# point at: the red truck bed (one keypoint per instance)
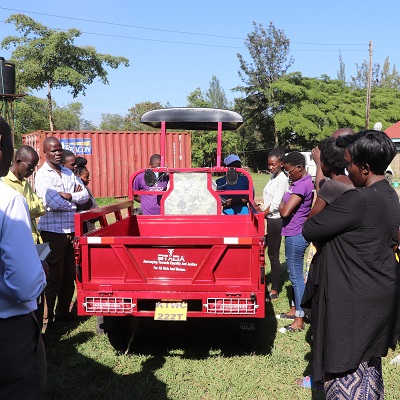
(215, 264)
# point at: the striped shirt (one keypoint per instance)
(59, 217)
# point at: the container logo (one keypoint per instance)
(77, 146)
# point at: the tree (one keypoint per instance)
(204, 143)
(46, 57)
(269, 51)
(112, 122)
(341, 75)
(360, 81)
(31, 114)
(216, 94)
(135, 113)
(312, 108)
(68, 118)
(389, 79)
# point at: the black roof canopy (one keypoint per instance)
(193, 118)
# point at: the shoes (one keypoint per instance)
(289, 329)
(284, 316)
(396, 360)
(308, 382)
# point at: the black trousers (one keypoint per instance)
(22, 359)
(61, 279)
(274, 238)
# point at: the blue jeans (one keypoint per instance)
(295, 247)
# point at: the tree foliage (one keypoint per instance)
(312, 108)
(46, 57)
(204, 143)
(112, 122)
(135, 113)
(385, 77)
(269, 50)
(215, 94)
(68, 118)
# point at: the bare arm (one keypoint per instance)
(287, 209)
(318, 206)
(319, 176)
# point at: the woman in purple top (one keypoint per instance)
(296, 206)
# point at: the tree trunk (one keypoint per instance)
(50, 106)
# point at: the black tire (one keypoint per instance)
(389, 177)
(118, 330)
(99, 325)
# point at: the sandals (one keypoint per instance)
(284, 316)
(289, 329)
(308, 383)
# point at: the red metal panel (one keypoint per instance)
(116, 155)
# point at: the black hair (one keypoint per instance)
(5, 129)
(66, 154)
(332, 155)
(277, 152)
(6, 149)
(78, 171)
(294, 158)
(25, 152)
(154, 157)
(371, 147)
(80, 162)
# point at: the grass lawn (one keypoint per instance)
(190, 360)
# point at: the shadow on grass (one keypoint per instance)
(198, 338)
(71, 375)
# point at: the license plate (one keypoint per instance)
(171, 311)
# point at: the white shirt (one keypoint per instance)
(22, 278)
(273, 193)
(59, 217)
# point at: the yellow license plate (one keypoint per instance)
(171, 311)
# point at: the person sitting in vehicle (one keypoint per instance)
(150, 204)
(234, 204)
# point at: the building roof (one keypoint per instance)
(393, 131)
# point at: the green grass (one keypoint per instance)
(190, 360)
(200, 361)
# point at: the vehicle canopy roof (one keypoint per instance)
(193, 118)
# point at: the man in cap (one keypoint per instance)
(234, 204)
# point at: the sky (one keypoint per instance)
(177, 46)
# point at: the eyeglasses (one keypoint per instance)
(287, 173)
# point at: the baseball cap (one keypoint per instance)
(231, 158)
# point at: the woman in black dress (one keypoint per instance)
(356, 298)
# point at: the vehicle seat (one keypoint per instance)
(190, 195)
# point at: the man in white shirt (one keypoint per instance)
(22, 279)
(60, 191)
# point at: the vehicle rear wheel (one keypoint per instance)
(389, 177)
(120, 332)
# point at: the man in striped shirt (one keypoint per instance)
(60, 191)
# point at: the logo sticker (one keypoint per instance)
(170, 261)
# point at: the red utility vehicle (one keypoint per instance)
(191, 261)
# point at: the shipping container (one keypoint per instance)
(114, 156)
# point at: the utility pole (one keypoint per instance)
(369, 87)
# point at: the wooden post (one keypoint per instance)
(368, 105)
